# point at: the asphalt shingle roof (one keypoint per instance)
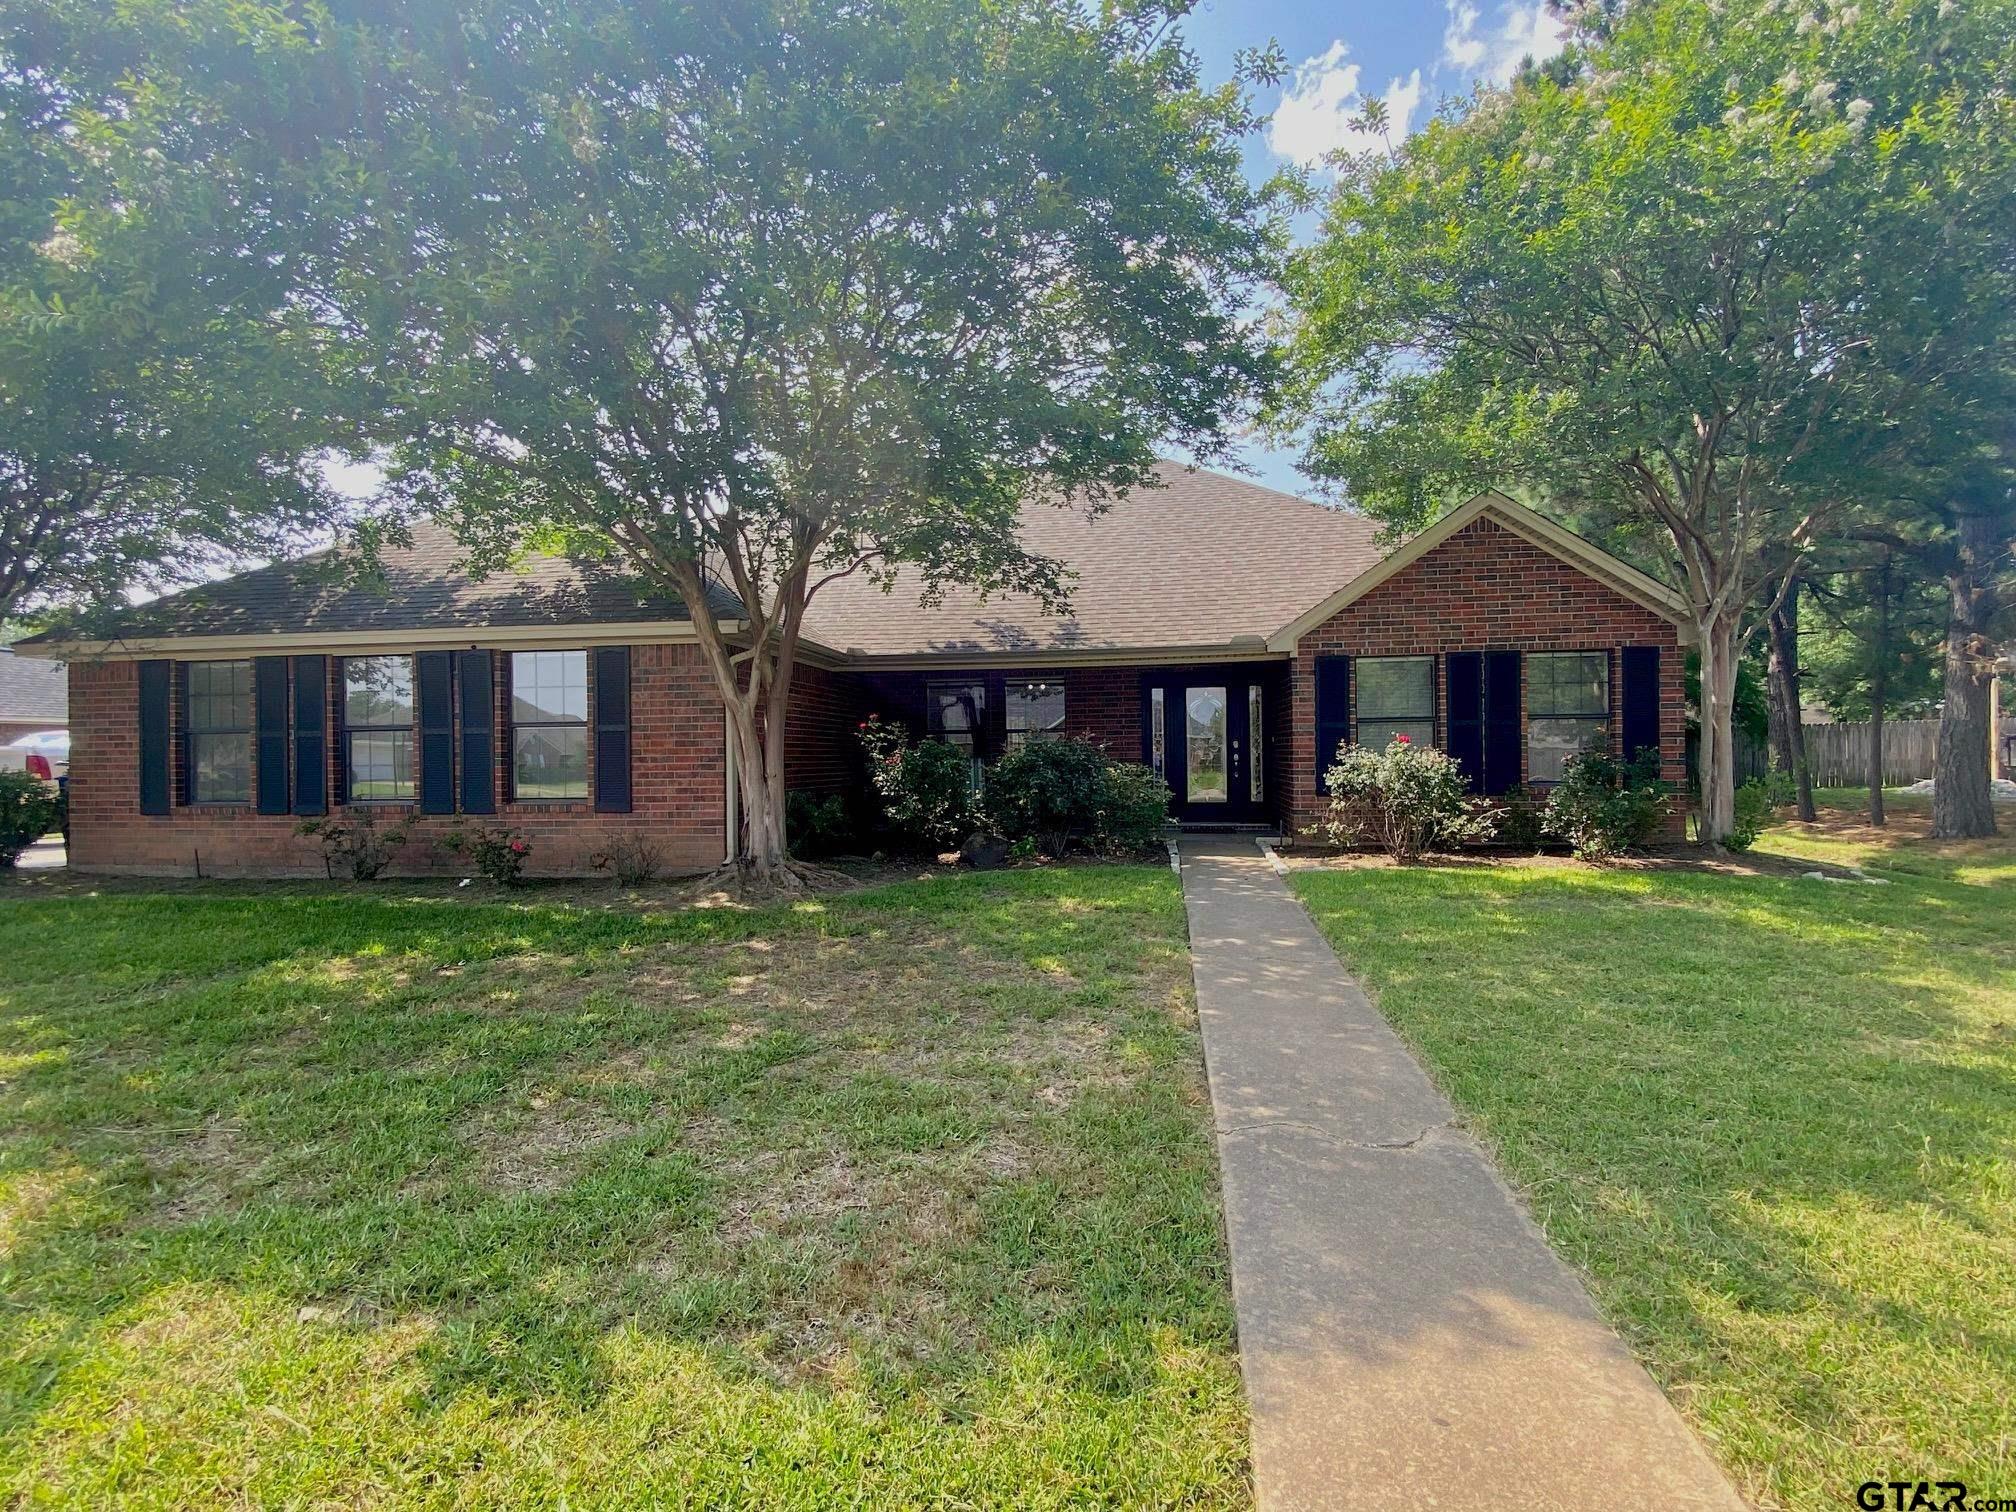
(31, 689)
(1196, 562)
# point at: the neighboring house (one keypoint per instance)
(1222, 632)
(34, 695)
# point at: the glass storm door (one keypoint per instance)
(1203, 733)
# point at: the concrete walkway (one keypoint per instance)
(1406, 1335)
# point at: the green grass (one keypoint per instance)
(1772, 1120)
(314, 1195)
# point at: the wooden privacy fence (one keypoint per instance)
(1839, 753)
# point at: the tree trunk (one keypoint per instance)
(1962, 804)
(1879, 686)
(1788, 733)
(1717, 639)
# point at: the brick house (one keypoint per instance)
(1221, 632)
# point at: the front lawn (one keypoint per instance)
(315, 1195)
(1772, 1120)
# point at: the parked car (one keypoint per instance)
(41, 753)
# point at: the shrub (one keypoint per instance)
(29, 809)
(355, 842)
(926, 788)
(1049, 791)
(1603, 806)
(1406, 799)
(816, 825)
(1755, 802)
(632, 858)
(1135, 808)
(500, 852)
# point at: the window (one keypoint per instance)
(1256, 789)
(549, 724)
(378, 727)
(1567, 705)
(1396, 696)
(220, 731)
(1035, 711)
(1158, 735)
(957, 714)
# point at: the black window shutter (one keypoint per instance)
(612, 729)
(337, 714)
(1501, 721)
(1465, 677)
(1333, 712)
(479, 737)
(269, 733)
(155, 706)
(311, 750)
(437, 731)
(1640, 711)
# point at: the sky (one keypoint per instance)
(1409, 53)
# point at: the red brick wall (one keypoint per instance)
(1486, 588)
(819, 746)
(677, 765)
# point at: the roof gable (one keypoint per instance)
(1528, 524)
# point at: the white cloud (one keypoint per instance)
(1522, 30)
(1318, 107)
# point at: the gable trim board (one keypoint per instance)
(1530, 526)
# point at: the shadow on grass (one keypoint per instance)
(1770, 1119)
(450, 1182)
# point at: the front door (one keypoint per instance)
(1203, 732)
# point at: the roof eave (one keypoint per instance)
(139, 646)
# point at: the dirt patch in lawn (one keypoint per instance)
(540, 1148)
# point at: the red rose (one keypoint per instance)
(1402, 740)
(518, 847)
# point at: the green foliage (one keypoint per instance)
(499, 851)
(29, 809)
(1603, 807)
(168, 389)
(1879, 627)
(1134, 810)
(1052, 791)
(926, 787)
(817, 824)
(1407, 799)
(355, 842)
(1061, 793)
(1750, 713)
(1756, 803)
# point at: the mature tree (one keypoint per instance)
(757, 295)
(163, 401)
(1870, 646)
(1687, 282)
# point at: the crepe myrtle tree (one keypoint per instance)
(754, 297)
(165, 402)
(1707, 278)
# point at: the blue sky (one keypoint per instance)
(1410, 53)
